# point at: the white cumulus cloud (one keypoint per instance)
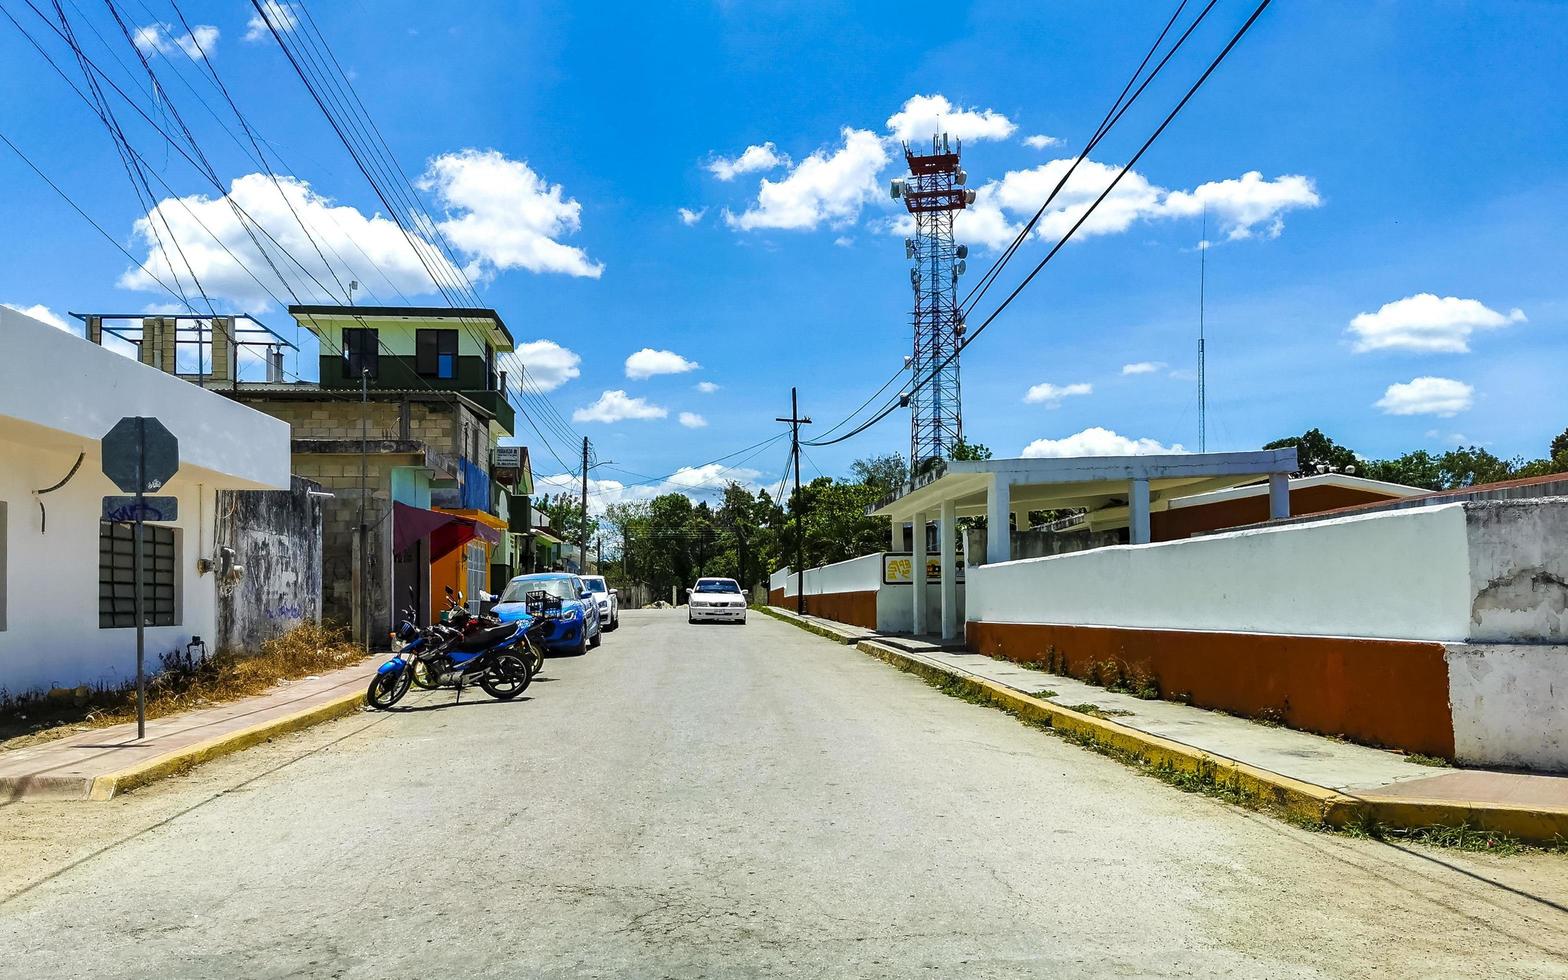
(162, 38)
(1097, 441)
(1041, 142)
(925, 116)
(692, 420)
(617, 405)
(503, 215)
(547, 364)
(707, 387)
(696, 482)
(1238, 206)
(1143, 367)
(1051, 395)
(217, 249)
(42, 314)
(755, 159)
(826, 187)
(1427, 395)
(690, 217)
(278, 15)
(1426, 322)
(648, 362)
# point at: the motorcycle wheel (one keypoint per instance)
(508, 677)
(535, 656)
(388, 689)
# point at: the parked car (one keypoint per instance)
(576, 629)
(717, 600)
(608, 599)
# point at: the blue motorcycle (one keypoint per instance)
(497, 658)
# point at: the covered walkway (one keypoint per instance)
(1004, 491)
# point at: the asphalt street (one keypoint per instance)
(718, 801)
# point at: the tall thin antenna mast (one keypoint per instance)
(1203, 269)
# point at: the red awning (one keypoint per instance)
(447, 532)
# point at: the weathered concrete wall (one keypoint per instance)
(1518, 570)
(1510, 704)
(277, 536)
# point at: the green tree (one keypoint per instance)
(1472, 465)
(744, 519)
(887, 473)
(963, 449)
(835, 522)
(1314, 449)
(1559, 446)
(566, 516)
(1413, 469)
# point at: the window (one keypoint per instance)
(359, 352)
(117, 576)
(435, 353)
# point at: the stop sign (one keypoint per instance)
(140, 455)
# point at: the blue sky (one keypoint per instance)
(1410, 179)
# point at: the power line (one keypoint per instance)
(1235, 39)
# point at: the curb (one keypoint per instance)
(181, 760)
(1292, 798)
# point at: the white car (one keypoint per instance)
(608, 599)
(716, 600)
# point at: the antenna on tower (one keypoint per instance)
(1203, 269)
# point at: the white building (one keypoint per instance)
(62, 605)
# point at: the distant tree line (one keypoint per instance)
(1459, 467)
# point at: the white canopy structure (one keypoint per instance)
(1001, 488)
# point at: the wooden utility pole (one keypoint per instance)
(795, 422)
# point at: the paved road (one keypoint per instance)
(729, 801)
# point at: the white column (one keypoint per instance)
(917, 533)
(1138, 510)
(998, 507)
(896, 539)
(948, 529)
(1279, 496)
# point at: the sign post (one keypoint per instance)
(139, 455)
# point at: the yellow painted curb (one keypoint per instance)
(1294, 798)
(106, 786)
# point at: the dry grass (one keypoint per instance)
(181, 684)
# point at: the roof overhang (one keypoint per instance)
(1091, 482)
(317, 318)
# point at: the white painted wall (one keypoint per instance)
(896, 608)
(1399, 574)
(1510, 704)
(58, 395)
(863, 574)
(76, 391)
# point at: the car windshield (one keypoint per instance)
(595, 584)
(561, 588)
(718, 585)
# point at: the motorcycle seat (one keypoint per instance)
(485, 638)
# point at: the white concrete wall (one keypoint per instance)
(76, 391)
(1399, 574)
(863, 574)
(1510, 704)
(58, 395)
(51, 637)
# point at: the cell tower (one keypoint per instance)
(934, 192)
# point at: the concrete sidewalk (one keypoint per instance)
(1344, 780)
(97, 764)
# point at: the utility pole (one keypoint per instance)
(795, 422)
(364, 491)
(582, 541)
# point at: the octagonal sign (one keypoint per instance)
(140, 455)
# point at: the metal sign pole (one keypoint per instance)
(137, 538)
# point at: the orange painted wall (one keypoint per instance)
(1169, 525)
(1378, 692)
(776, 598)
(854, 608)
(451, 570)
